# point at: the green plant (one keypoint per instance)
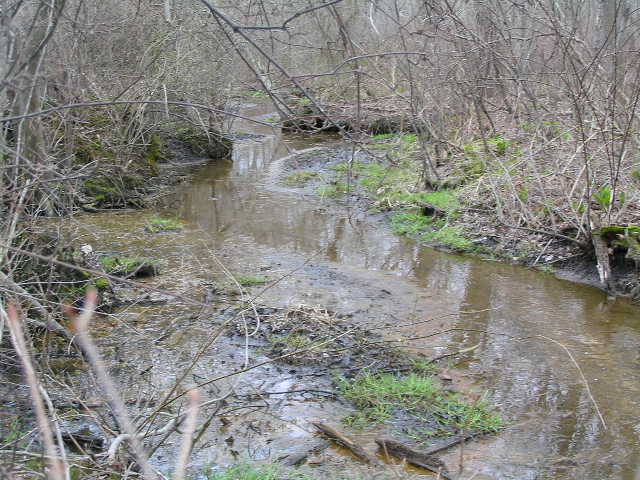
(257, 94)
(299, 178)
(451, 237)
(604, 197)
(247, 471)
(129, 266)
(334, 190)
(578, 207)
(249, 281)
(500, 145)
(378, 396)
(410, 223)
(523, 194)
(156, 225)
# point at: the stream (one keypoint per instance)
(239, 216)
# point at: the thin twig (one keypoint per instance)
(584, 379)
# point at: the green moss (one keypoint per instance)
(153, 154)
(299, 178)
(91, 150)
(451, 237)
(156, 225)
(129, 266)
(249, 281)
(111, 191)
(256, 94)
(444, 199)
(334, 190)
(291, 341)
(613, 230)
(101, 283)
(210, 143)
(257, 472)
(384, 136)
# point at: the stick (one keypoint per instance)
(346, 442)
(419, 459)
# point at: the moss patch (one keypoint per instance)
(256, 472)
(129, 266)
(210, 143)
(299, 178)
(156, 225)
(112, 191)
(249, 281)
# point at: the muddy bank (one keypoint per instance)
(173, 152)
(355, 178)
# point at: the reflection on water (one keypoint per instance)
(556, 432)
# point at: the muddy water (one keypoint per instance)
(238, 214)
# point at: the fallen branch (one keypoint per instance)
(424, 460)
(347, 443)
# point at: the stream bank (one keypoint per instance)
(504, 194)
(240, 219)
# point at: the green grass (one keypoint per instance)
(443, 199)
(379, 396)
(251, 280)
(156, 225)
(299, 178)
(256, 94)
(334, 190)
(256, 472)
(411, 223)
(451, 237)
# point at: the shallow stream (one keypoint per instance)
(238, 215)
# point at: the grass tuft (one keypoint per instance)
(256, 472)
(299, 178)
(156, 225)
(451, 237)
(380, 396)
(249, 281)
